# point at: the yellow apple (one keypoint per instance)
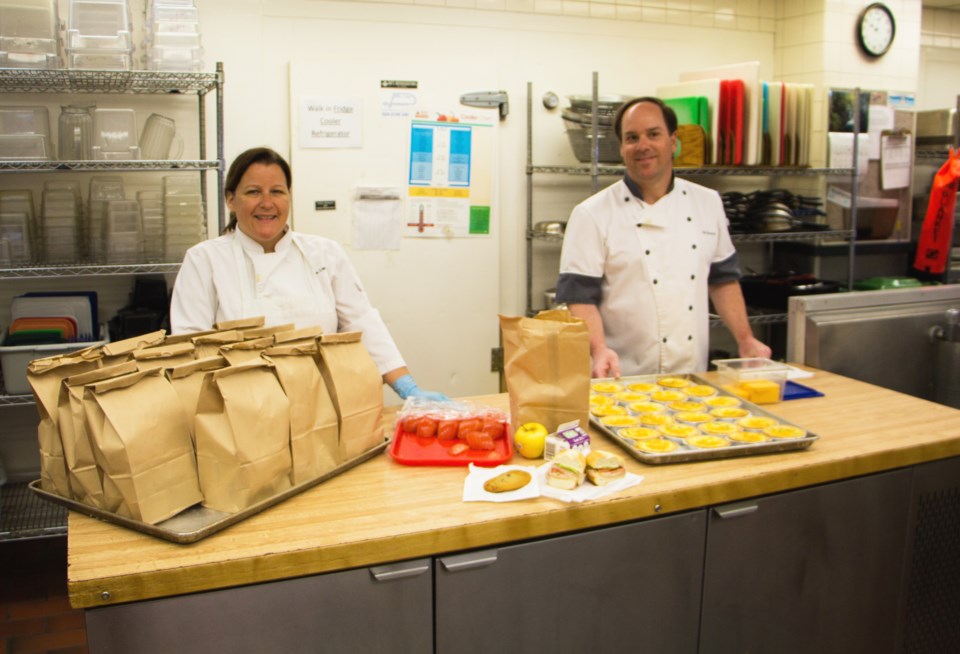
(529, 439)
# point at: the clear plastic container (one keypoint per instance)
(756, 380)
(29, 30)
(115, 134)
(24, 120)
(99, 24)
(75, 132)
(85, 59)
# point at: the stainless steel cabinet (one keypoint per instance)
(369, 610)
(629, 588)
(813, 570)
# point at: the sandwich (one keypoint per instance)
(567, 470)
(604, 467)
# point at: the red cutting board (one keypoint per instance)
(736, 121)
(412, 450)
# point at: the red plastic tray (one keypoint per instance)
(413, 450)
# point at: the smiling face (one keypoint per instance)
(261, 204)
(646, 146)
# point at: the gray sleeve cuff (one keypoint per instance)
(724, 271)
(579, 289)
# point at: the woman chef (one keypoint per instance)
(260, 266)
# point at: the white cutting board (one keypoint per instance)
(804, 118)
(749, 72)
(708, 88)
(774, 119)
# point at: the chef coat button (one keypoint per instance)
(626, 198)
(647, 252)
(690, 308)
(654, 281)
(684, 192)
(689, 219)
(689, 338)
(664, 339)
(694, 246)
(693, 276)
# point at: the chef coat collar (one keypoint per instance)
(253, 247)
(635, 190)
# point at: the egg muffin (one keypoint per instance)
(655, 445)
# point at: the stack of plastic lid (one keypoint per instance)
(17, 225)
(102, 190)
(151, 221)
(182, 213)
(25, 134)
(115, 135)
(60, 215)
(124, 237)
(29, 34)
(99, 35)
(172, 36)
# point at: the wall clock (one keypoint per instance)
(875, 29)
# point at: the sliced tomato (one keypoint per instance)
(409, 423)
(479, 440)
(457, 449)
(467, 425)
(495, 428)
(447, 429)
(427, 427)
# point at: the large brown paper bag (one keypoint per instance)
(186, 337)
(357, 390)
(240, 323)
(243, 436)
(314, 433)
(120, 351)
(245, 350)
(86, 483)
(165, 356)
(546, 362)
(187, 379)
(45, 376)
(208, 345)
(142, 444)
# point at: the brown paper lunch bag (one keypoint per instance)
(356, 387)
(251, 322)
(262, 332)
(86, 483)
(45, 377)
(546, 361)
(243, 436)
(187, 379)
(186, 337)
(208, 345)
(304, 334)
(242, 351)
(314, 430)
(120, 351)
(142, 445)
(165, 355)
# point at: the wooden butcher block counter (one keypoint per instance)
(382, 511)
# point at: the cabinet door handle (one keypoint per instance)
(400, 570)
(736, 510)
(469, 560)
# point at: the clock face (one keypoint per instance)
(876, 29)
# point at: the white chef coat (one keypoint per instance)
(307, 281)
(654, 262)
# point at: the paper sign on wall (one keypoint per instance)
(328, 122)
(450, 171)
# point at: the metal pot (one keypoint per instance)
(550, 298)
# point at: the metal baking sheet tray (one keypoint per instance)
(685, 454)
(198, 522)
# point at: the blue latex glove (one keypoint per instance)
(405, 387)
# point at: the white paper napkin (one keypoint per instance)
(585, 491)
(477, 475)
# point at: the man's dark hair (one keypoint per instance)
(669, 115)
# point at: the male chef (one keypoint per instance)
(642, 257)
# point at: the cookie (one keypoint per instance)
(507, 481)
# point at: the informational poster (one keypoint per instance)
(450, 173)
(328, 122)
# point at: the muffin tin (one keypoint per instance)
(625, 416)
